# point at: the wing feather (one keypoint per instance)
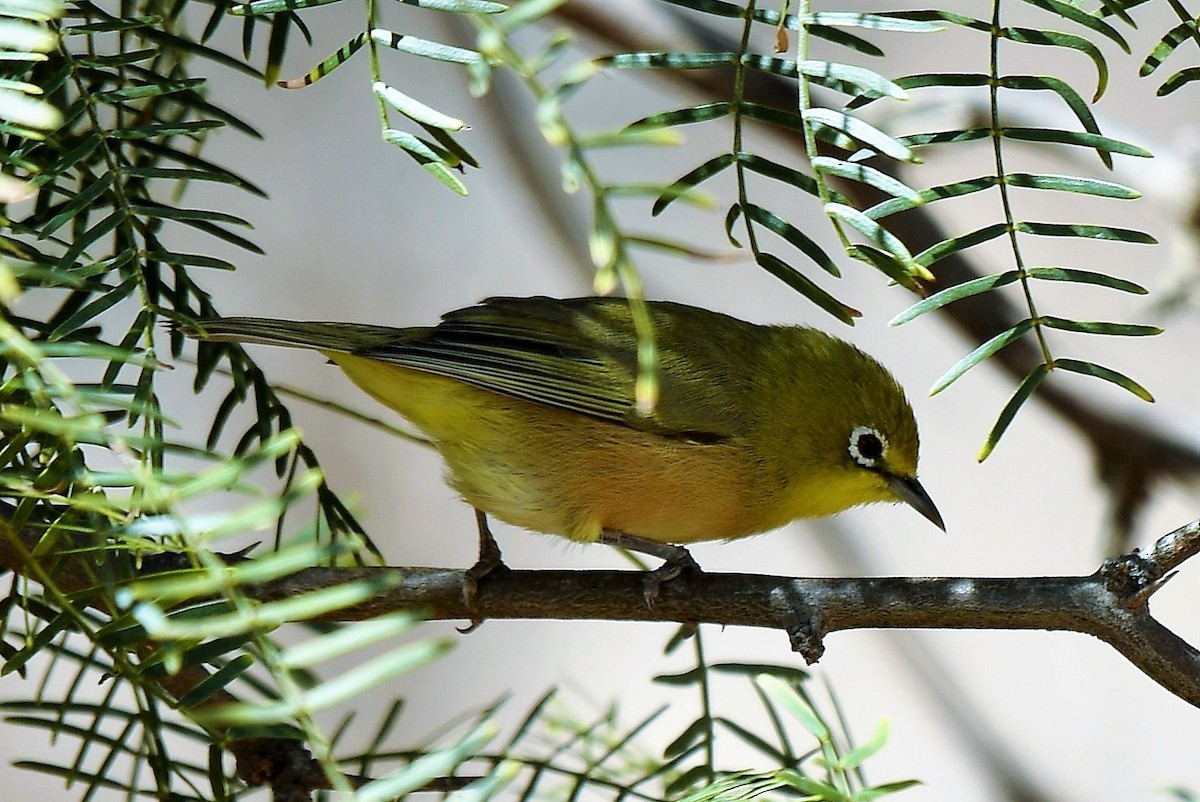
(578, 355)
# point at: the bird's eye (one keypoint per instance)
(867, 446)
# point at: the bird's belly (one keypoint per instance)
(554, 471)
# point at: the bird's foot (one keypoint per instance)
(680, 563)
(676, 560)
(490, 561)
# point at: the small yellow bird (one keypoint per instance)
(531, 403)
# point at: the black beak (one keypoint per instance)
(911, 493)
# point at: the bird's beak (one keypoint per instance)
(911, 493)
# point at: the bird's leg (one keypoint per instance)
(676, 559)
(490, 560)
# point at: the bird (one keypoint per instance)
(532, 403)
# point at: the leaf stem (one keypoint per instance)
(1002, 184)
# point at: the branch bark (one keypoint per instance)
(1111, 604)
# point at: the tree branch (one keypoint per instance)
(1111, 604)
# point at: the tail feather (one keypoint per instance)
(317, 335)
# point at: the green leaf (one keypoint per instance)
(731, 218)
(675, 61)
(675, 247)
(935, 15)
(850, 79)
(693, 734)
(943, 79)
(852, 171)
(814, 790)
(36, 10)
(879, 235)
(425, 48)
(957, 189)
(873, 22)
(189, 260)
(784, 68)
(967, 289)
(860, 754)
(884, 789)
(785, 696)
(692, 179)
(524, 13)
(415, 109)
(943, 137)
(67, 161)
(1166, 45)
(193, 164)
(425, 157)
(87, 239)
(1085, 277)
(24, 40)
(794, 236)
(941, 250)
(630, 136)
(331, 692)
(1101, 372)
(140, 23)
(797, 281)
(86, 199)
(1075, 103)
(1075, 14)
(1024, 390)
(139, 91)
(348, 639)
(885, 263)
(155, 210)
(1032, 36)
(720, 8)
(159, 130)
(861, 132)
(21, 109)
(216, 681)
(779, 172)
(1117, 8)
(1086, 231)
(637, 189)
(921, 80)
(1099, 327)
(420, 772)
(768, 114)
(1183, 77)
(847, 40)
(1070, 183)
(987, 349)
(328, 65)
(459, 6)
(456, 154)
(187, 174)
(88, 311)
(692, 114)
(260, 7)
(1087, 140)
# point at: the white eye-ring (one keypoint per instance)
(867, 446)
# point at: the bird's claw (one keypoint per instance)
(679, 563)
(490, 561)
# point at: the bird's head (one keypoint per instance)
(855, 436)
